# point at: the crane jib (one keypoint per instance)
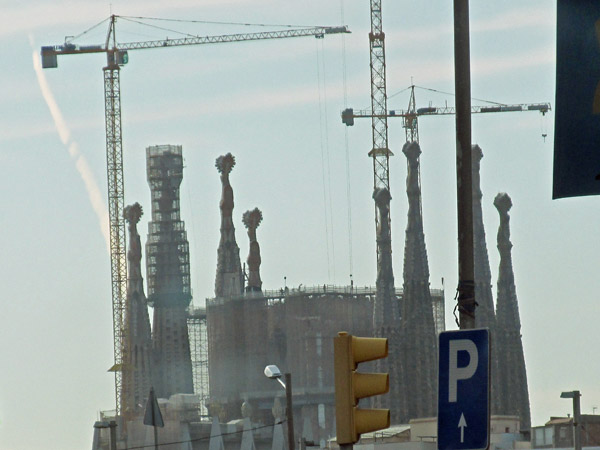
(72, 49)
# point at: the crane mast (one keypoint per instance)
(116, 203)
(116, 54)
(411, 121)
(380, 151)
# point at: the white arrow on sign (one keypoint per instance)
(462, 423)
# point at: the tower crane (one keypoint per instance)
(384, 309)
(116, 57)
(410, 116)
(378, 113)
(412, 113)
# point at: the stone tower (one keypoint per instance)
(229, 280)
(168, 272)
(386, 314)
(252, 220)
(137, 371)
(512, 375)
(484, 313)
(385, 311)
(418, 342)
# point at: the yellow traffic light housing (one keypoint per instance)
(351, 386)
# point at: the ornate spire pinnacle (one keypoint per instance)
(512, 377)
(229, 279)
(132, 215)
(252, 220)
(137, 370)
(418, 337)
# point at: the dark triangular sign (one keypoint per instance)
(153, 416)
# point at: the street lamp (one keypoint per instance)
(273, 372)
(576, 416)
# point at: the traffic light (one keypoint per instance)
(351, 386)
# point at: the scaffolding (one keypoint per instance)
(168, 272)
(167, 248)
(199, 352)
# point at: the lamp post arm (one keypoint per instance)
(281, 382)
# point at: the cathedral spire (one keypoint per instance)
(484, 313)
(418, 341)
(137, 370)
(512, 379)
(386, 315)
(385, 311)
(229, 279)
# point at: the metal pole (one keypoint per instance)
(577, 419)
(289, 411)
(462, 82)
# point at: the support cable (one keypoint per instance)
(210, 22)
(443, 92)
(326, 123)
(72, 38)
(323, 165)
(346, 148)
(170, 30)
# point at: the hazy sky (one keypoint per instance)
(275, 105)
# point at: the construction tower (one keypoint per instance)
(168, 272)
(512, 376)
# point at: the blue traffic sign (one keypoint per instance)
(577, 119)
(464, 390)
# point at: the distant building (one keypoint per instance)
(421, 434)
(558, 432)
(294, 329)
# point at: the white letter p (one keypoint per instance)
(460, 373)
